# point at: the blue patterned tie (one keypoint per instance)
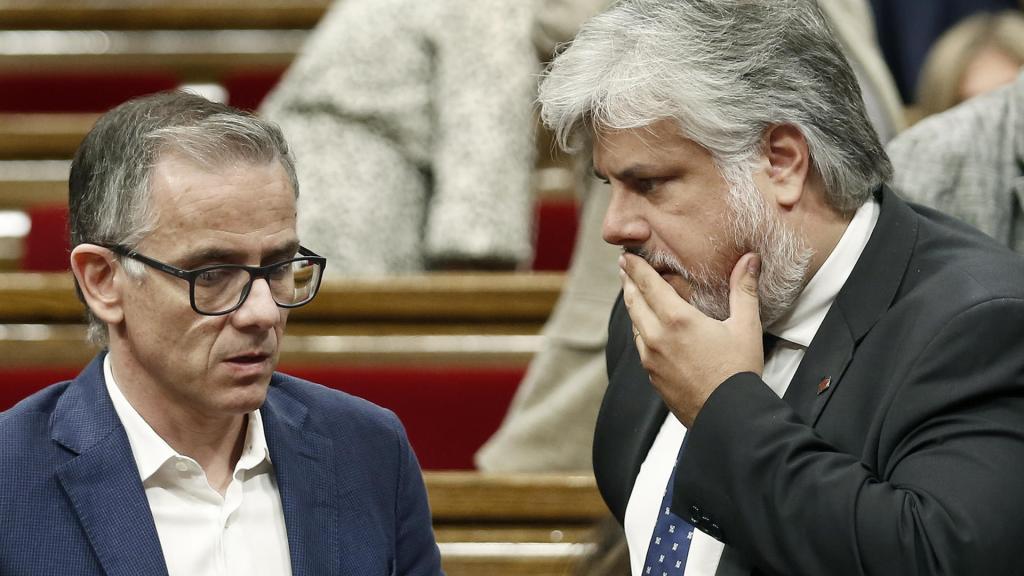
(670, 541)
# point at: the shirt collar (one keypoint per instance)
(801, 322)
(148, 448)
(151, 451)
(255, 449)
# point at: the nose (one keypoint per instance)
(623, 223)
(259, 309)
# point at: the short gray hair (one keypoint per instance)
(109, 193)
(726, 71)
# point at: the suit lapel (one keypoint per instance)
(102, 481)
(307, 483)
(822, 367)
(865, 297)
(630, 417)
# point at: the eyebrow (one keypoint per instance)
(286, 251)
(635, 172)
(210, 254)
(217, 254)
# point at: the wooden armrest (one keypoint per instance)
(480, 496)
(441, 298)
(181, 14)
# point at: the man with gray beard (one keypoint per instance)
(751, 225)
(807, 374)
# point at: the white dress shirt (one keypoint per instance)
(795, 330)
(201, 532)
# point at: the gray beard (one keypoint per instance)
(754, 227)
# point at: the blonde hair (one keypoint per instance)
(938, 87)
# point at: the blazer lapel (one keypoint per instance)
(866, 295)
(630, 417)
(864, 298)
(307, 482)
(102, 481)
(822, 367)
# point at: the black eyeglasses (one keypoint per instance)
(222, 289)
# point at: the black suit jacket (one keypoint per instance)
(910, 462)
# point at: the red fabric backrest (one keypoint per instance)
(77, 92)
(556, 219)
(46, 247)
(448, 411)
(247, 88)
(557, 222)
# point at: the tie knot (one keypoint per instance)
(768, 342)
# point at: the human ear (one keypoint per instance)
(787, 163)
(95, 271)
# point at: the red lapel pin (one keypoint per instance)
(824, 384)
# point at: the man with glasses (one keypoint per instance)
(179, 450)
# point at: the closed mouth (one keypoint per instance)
(251, 358)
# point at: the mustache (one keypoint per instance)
(661, 261)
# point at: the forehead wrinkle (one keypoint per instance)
(215, 209)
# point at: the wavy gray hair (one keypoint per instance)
(109, 194)
(726, 71)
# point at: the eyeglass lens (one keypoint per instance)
(218, 289)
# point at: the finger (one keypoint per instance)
(662, 299)
(744, 305)
(644, 320)
(638, 343)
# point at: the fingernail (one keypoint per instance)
(754, 265)
(622, 260)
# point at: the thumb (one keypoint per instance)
(743, 301)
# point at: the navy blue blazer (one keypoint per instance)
(72, 502)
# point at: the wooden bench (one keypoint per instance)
(41, 135)
(482, 319)
(243, 45)
(157, 14)
(447, 298)
(110, 51)
(192, 55)
(513, 524)
(446, 352)
(39, 189)
(47, 135)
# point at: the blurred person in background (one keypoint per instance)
(412, 129)
(908, 28)
(978, 55)
(969, 162)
